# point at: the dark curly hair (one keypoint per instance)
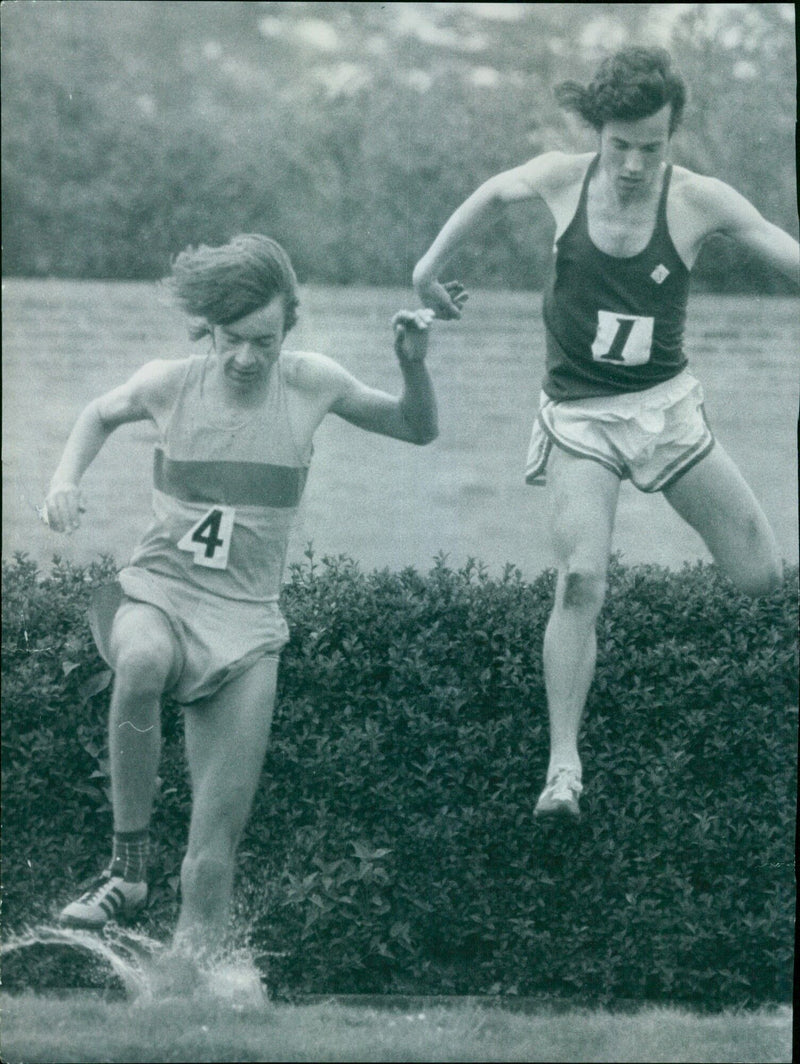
(218, 285)
(633, 83)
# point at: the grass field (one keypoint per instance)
(38, 1029)
(379, 501)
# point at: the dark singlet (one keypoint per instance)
(614, 324)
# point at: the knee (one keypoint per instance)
(758, 581)
(757, 570)
(143, 665)
(582, 590)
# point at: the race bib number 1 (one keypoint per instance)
(210, 539)
(622, 338)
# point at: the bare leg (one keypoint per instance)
(715, 500)
(226, 740)
(584, 505)
(143, 651)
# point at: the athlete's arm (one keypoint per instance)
(734, 216)
(133, 401)
(526, 182)
(412, 416)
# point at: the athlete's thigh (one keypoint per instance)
(584, 498)
(226, 740)
(714, 498)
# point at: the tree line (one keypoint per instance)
(349, 131)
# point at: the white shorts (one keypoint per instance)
(218, 638)
(650, 437)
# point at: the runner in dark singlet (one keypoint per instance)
(617, 399)
(643, 298)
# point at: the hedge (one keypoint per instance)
(392, 846)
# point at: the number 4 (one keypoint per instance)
(210, 538)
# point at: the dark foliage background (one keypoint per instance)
(392, 846)
(350, 131)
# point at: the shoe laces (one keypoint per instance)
(93, 893)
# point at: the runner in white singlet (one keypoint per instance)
(197, 612)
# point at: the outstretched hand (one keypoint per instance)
(411, 334)
(446, 300)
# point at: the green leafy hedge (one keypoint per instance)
(392, 846)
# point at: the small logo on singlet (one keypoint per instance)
(660, 273)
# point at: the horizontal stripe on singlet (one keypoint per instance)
(229, 483)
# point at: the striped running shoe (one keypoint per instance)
(109, 898)
(560, 796)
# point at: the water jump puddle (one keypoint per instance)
(150, 972)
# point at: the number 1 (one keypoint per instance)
(622, 338)
(614, 353)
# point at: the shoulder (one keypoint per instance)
(715, 204)
(700, 207)
(696, 189)
(164, 370)
(148, 392)
(560, 168)
(155, 386)
(161, 379)
(312, 372)
(546, 175)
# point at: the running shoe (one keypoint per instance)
(109, 898)
(560, 796)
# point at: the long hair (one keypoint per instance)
(633, 83)
(218, 285)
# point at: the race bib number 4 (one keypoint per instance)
(622, 338)
(210, 539)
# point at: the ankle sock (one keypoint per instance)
(129, 855)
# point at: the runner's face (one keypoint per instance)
(247, 348)
(631, 153)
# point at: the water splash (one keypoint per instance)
(231, 980)
(128, 954)
(151, 972)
